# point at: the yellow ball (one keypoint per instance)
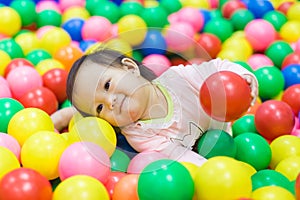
(239, 44)
(289, 167)
(54, 39)
(293, 12)
(42, 152)
(28, 41)
(10, 22)
(80, 187)
(45, 65)
(75, 12)
(195, 3)
(272, 193)
(233, 54)
(5, 60)
(284, 147)
(27, 122)
(290, 31)
(99, 131)
(119, 45)
(8, 162)
(132, 29)
(223, 178)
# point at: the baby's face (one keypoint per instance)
(113, 94)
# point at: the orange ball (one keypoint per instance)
(67, 55)
(126, 188)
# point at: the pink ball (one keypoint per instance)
(260, 34)
(47, 5)
(22, 79)
(3, 81)
(180, 36)
(41, 31)
(84, 158)
(173, 18)
(96, 28)
(258, 60)
(191, 16)
(64, 4)
(10, 143)
(157, 63)
(141, 160)
(5, 91)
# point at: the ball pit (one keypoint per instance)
(39, 42)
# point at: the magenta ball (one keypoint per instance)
(191, 16)
(10, 143)
(23, 79)
(65, 4)
(96, 28)
(47, 5)
(157, 63)
(258, 60)
(84, 158)
(141, 160)
(260, 34)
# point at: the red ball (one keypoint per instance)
(231, 6)
(25, 184)
(208, 44)
(292, 97)
(17, 62)
(297, 187)
(293, 58)
(285, 6)
(56, 81)
(274, 118)
(225, 96)
(113, 178)
(42, 98)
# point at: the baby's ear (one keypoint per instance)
(131, 65)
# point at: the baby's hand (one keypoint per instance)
(253, 86)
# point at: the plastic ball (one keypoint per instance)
(290, 31)
(112, 180)
(37, 55)
(67, 55)
(26, 10)
(260, 38)
(93, 161)
(9, 161)
(27, 41)
(297, 186)
(269, 77)
(10, 22)
(154, 43)
(48, 64)
(230, 7)
(240, 46)
(40, 97)
(27, 122)
(277, 51)
(291, 96)
(259, 60)
(155, 16)
(64, 4)
(253, 149)
(225, 96)
(283, 147)
(80, 187)
(289, 167)
(8, 108)
(293, 11)
(119, 161)
(12, 48)
(243, 125)
(56, 80)
(259, 8)
(132, 29)
(225, 175)
(195, 3)
(157, 63)
(47, 5)
(75, 12)
(131, 7)
(22, 79)
(23, 184)
(10, 143)
(96, 28)
(100, 132)
(5, 60)
(220, 27)
(216, 143)
(169, 176)
(17, 62)
(191, 16)
(240, 18)
(141, 160)
(276, 18)
(292, 58)
(209, 43)
(48, 17)
(126, 188)
(108, 10)
(73, 27)
(291, 75)
(274, 118)
(272, 192)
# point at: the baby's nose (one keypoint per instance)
(111, 100)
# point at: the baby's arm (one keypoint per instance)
(62, 117)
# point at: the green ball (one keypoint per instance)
(241, 18)
(8, 108)
(267, 177)
(277, 51)
(216, 143)
(215, 14)
(270, 81)
(90, 5)
(243, 124)
(12, 48)
(66, 104)
(245, 65)
(220, 27)
(155, 17)
(276, 18)
(253, 149)
(171, 6)
(37, 55)
(119, 161)
(137, 55)
(49, 18)
(109, 10)
(165, 179)
(131, 7)
(26, 10)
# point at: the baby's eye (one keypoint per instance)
(99, 108)
(107, 85)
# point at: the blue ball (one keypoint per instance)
(73, 27)
(154, 43)
(85, 44)
(258, 7)
(291, 74)
(206, 15)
